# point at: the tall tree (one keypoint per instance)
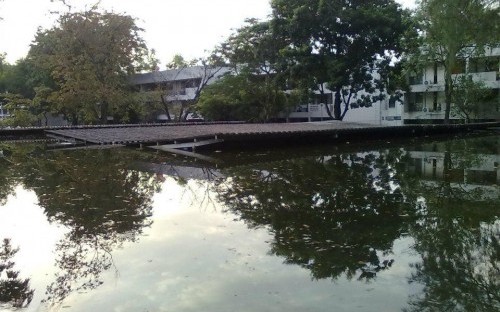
(340, 43)
(89, 56)
(452, 31)
(256, 89)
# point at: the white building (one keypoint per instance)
(178, 85)
(182, 85)
(425, 102)
(385, 112)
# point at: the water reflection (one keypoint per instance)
(101, 203)
(334, 215)
(422, 215)
(339, 214)
(14, 291)
(457, 231)
(11, 157)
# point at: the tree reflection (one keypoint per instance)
(102, 204)
(12, 158)
(457, 233)
(333, 215)
(14, 292)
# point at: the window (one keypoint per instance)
(485, 64)
(416, 102)
(326, 98)
(192, 83)
(416, 78)
(392, 101)
(435, 101)
(459, 67)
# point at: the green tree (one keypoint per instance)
(19, 108)
(256, 90)
(244, 96)
(469, 98)
(90, 56)
(452, 31)
(338, 44)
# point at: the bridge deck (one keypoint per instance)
(170, 133)
(148, 135)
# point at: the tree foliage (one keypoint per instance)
(255, 89)
(89, 56)
(244, 96)
(451, 31)
(339, 44)
(468, 97)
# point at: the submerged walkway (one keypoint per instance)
(243, 133)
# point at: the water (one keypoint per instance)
(367, 227)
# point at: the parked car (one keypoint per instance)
(194, 117)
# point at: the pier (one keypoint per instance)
(206, 134)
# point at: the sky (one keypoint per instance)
(187, 27)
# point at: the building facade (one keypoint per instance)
(425, 101)
(182, 85)
(386, 112)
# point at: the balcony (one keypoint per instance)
(427, 86)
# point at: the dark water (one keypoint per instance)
(379, 227)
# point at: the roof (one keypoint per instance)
(185, 73)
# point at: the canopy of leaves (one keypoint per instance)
(452, 30)
(470, 98)
(89, 56)
(245, 96)
(339, 42)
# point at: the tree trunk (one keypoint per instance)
(448, 90)
(165, 107)
(337, 103)
(104, 113)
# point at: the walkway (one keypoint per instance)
(247, 133)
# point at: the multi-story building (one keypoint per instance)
(425, 101)
(385, 112)
(178, 86)
(181, 85)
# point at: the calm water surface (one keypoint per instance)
(380, 227)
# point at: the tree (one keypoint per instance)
(452, 31)
(340, 44)
(255, 91)
(244, 96)
(90, 56)
(20, 111)
(178, 64)
(468, 97)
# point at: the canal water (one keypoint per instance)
(385, 226)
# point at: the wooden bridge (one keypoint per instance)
(191, 136)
